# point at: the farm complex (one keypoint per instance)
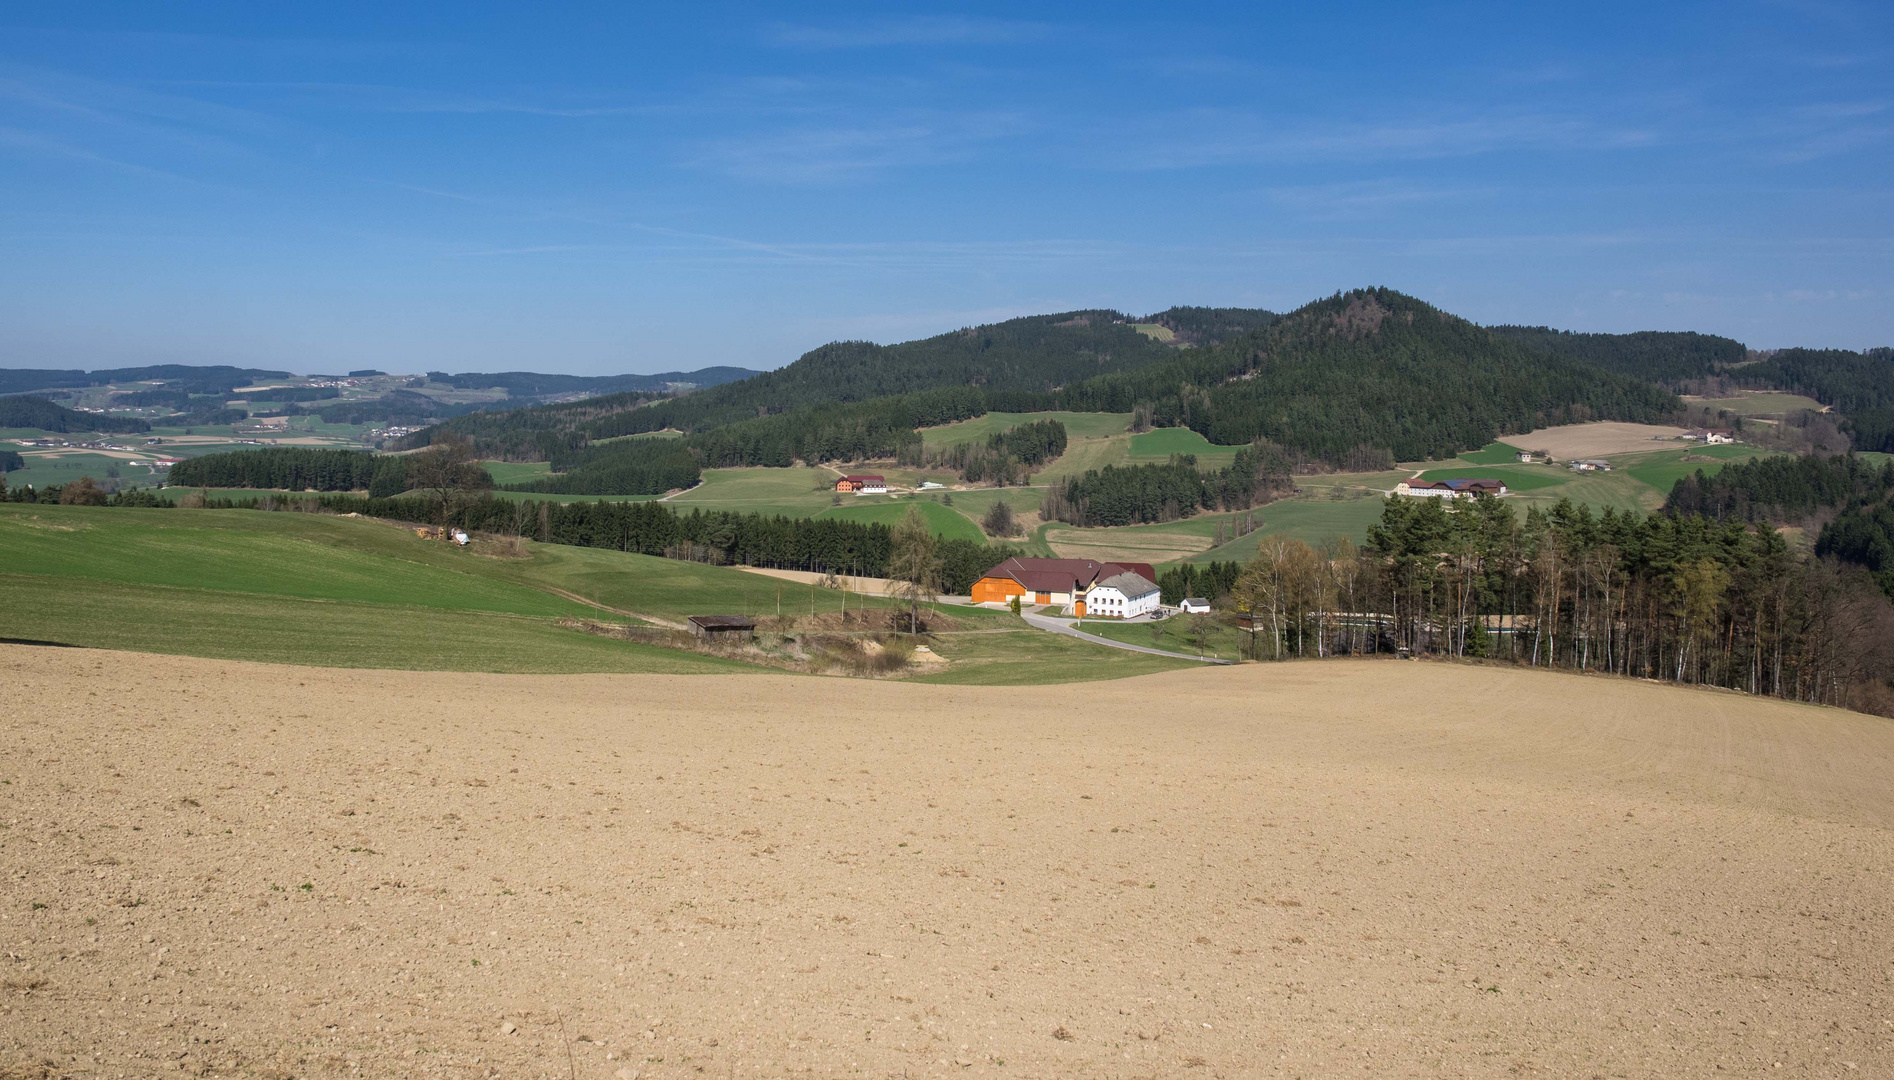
(1079, 586)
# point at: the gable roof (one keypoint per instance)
(1132, 584)
(864, 478)
(1063, 575)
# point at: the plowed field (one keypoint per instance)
(1344, 868)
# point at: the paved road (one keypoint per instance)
(1060, 626)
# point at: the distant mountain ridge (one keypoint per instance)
(521, 384)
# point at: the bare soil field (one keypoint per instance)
(1105, 545)
(1363, 868)
(1595, 439)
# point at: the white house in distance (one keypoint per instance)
(1590, 465)
(1194, 605)
(1711, 436)
(1451, 489)
(1124, 595)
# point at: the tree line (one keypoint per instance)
(1860, 385)
(717, 537)
(1211, 580)
(1781, 489)
(1139, 494)
(1006, 458)
(1678, 597)
(295, 468)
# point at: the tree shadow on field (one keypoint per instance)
(36, 641)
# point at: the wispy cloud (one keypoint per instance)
(818, 155)
(371, 97)
(910, 30)
(1207, 137)
(1363, 198)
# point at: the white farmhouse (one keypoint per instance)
(1194, 605)
(1125, 595)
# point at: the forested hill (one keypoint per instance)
(1035, 354)
(190, 379)
(1860, 385)
(1653, 355)
(37, 412)
(1370, 370)
(1030, 355)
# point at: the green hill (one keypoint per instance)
(1365, 374)
(37, 412)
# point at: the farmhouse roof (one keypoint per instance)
(724, 622)
(1060, 575)
(1131, 583)
(1194, 600)
(862, 478)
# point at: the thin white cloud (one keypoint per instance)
(911, 30)
(819, 155)
(1363, 198)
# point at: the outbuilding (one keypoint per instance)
(863, 484)
(1194, 605)
(723, 627)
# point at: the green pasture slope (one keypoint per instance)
(1497, 453)
(792, 492)
(516, 472)
(1077, 426)
(1159, 445)
(1515, 477)
(351, 592)
(290, 588)
(944, 521)
(1662, 470)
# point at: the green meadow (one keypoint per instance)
(944, 521)
(352, 592)
(1077, 426)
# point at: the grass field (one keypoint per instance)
(1175, 634)
(352, 592)
(42, 470)
(795, 492)
(1498, 453)
(1516, 477)
(1077, 426)
(516, 472)
(1661, 471)
(945, 521)
(1312, 521)
(1158, 446)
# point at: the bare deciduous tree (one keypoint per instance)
(914, 565)
(447, 475)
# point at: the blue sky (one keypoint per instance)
(598, 188)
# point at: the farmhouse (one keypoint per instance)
(1451, 489)
(1590, 465)
(1064, 582)
(1124, 595)
(1711, 436)
(864, 484)
(1194, 605)
(722, 627)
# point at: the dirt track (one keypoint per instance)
(1384, 869)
